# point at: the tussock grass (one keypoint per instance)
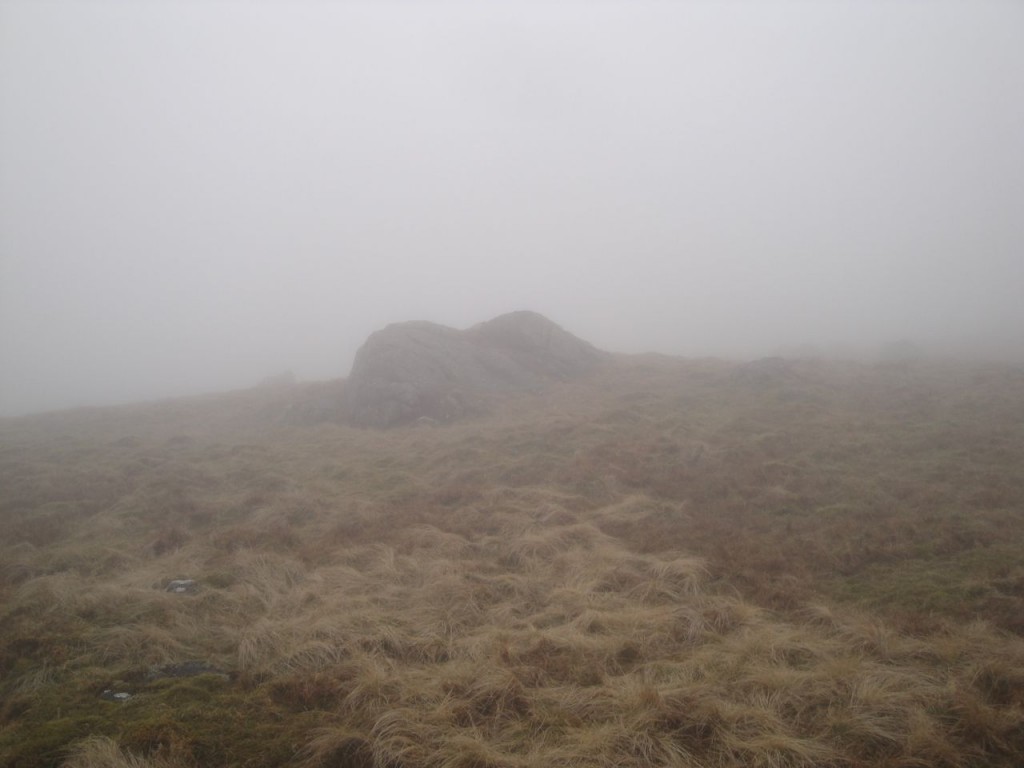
(102, 752)
(669, 565)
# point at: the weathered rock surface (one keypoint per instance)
(537, 345)
(412, 370)
(182, 586)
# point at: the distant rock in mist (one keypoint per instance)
(411, 370)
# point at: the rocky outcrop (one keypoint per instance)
(412, 370)
(537, 345)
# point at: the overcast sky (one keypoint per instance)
(196, 195)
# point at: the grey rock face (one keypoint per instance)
(412, 370)
(537, 345)
(183, 586)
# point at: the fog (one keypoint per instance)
(196, 195)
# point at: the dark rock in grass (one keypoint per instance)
(410, 371)
(183, 586)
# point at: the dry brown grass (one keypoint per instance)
(665, 566)
(101, 752)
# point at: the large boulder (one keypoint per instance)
(537, 345)
(412, 370)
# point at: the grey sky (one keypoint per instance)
(194, 195)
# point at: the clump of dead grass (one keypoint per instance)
(103, 752)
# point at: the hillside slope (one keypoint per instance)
(669, 562)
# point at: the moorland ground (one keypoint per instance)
(680, 563)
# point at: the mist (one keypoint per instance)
(194, 196)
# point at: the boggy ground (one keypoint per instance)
(679, 563)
